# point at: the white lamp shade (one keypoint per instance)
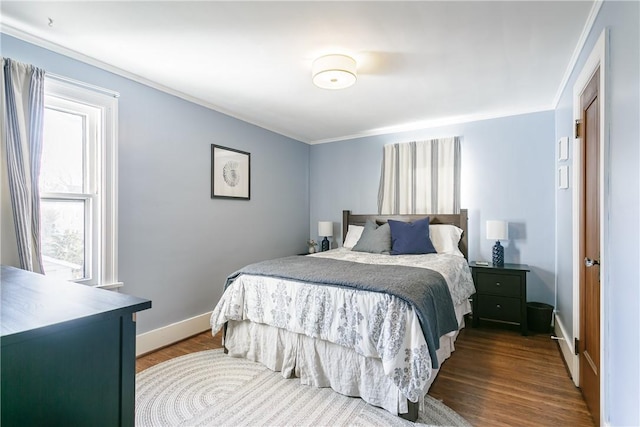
(497, 230)
(334, 71)
(325, 228)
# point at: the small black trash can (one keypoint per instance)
(539, 316)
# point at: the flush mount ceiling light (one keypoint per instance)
(334, 71)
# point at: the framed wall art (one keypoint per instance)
(230, 173)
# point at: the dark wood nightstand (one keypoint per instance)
(501, 294)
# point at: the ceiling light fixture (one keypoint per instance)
(334, 71)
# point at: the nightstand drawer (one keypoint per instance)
(501, 294)
(499, 308)
(498, 284)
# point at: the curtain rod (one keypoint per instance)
(84, 85)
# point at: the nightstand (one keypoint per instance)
(501, 294)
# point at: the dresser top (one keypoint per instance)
(31, 301)
(520, 267)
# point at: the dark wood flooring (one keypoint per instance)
(501, 378)
(200, 342)
(494, 378)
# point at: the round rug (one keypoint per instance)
(209, 388)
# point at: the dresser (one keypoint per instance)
(68, 352)
(501, 294)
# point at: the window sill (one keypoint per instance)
(109, 286)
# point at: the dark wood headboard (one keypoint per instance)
(459, 220)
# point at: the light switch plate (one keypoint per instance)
(563, 148)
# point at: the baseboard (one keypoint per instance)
(567, 349)
(167, 335)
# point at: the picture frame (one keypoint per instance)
(230, 173)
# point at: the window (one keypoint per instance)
(78, 184)
(420, 177)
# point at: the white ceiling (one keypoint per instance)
(420, 63)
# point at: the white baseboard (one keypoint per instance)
(167, 335)
(567, 349)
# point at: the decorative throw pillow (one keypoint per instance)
(353, 235)
(374, 239)
(410, 237)
(446, 238)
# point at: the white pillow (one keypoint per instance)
(445, 238)
(353, 235)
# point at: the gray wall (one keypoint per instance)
(622, 194)
(507, 173)
(177, 245)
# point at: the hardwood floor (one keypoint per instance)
(494, 378)
(200, 342)
(501, 378)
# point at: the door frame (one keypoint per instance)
(597, 58)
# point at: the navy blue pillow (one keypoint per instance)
(410, 237)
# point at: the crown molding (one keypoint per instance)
(595, 9)
(54, 47)
(430, 124)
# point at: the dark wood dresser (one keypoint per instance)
(501, 294)
(67, 352)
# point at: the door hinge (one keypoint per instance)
(578, 129)
(575, 346)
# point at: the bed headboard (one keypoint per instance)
(459, 220)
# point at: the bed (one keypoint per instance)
(365, 324)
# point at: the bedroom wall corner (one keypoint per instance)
(176, 245)
(505, 162)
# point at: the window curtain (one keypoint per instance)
(22, 100)
(420, 177)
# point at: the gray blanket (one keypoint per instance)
(426, 290)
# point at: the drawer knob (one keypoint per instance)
(497, 283)
(498, 306)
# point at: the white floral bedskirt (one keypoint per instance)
(372, 324)
(320, 363)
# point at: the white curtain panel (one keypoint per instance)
(22, 100)
(420, 177)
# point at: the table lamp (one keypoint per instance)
(325, 229)
(498, 230)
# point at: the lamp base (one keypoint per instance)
(325, 244)
(498, 255)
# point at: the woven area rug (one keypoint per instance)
(209, 388)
